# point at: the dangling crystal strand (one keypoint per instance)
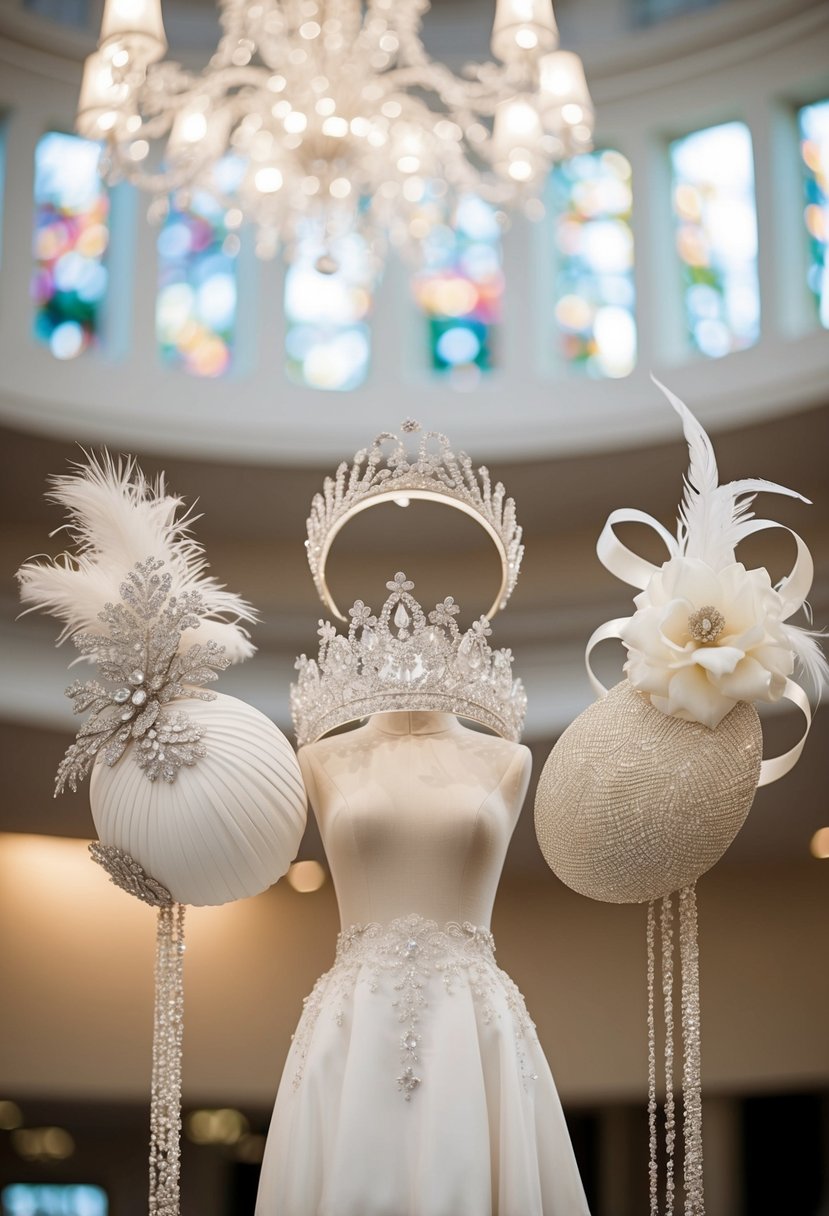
(165, 1103)
(653, 1167)
(692, 1069)
(667, 930)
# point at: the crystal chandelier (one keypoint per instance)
(328, 116)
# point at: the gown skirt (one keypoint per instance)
(416, 1086)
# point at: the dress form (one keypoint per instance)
(437, 800)
(415, 1084)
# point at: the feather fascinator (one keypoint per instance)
(708, 633)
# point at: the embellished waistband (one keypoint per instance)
(405, 958)
(414, 938)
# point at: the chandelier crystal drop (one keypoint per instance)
(326, 117)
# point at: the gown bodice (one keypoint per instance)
(415, 812)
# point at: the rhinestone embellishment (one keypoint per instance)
(416, 963)
(125, 872)
(706, 625)
(146, 625)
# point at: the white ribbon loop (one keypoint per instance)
(777, 766)
(610, 629)
(797, 584)
(622, 561)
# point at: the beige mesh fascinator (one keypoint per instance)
(649, 786)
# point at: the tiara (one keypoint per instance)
(402, 660)
(387, 471)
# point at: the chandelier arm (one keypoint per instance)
(162, 182)
(186, 85)
(455, 92)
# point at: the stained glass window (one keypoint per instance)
(328, 295)
(461, 287)
(70, 241)
(53, 1199)
(590, 200)
(814, 149)
(195, 313)
(716, 237)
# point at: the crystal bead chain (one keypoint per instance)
(692, 1068)
(667, 930)
(653, 1166)
(168, 1028)
(691, 1071)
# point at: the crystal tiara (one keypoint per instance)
(386, 472)
(402, 660)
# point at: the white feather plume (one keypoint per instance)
(809, 657)
(117, 517)
(713, 519)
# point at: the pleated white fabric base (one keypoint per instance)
(228, 827)
(483, 1133)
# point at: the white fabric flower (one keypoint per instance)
(746, 657)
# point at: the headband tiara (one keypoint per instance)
(386, 472)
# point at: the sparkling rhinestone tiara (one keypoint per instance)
(387, 471)
(402, 660)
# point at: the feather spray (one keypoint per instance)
(714, 518)
(117, 518)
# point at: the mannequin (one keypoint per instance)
(415, 1084)
(437, 799)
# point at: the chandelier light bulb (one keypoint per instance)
(99, 98)
(521, 26)
(193, 127)
(134, 26)
(294, 121)
(335, 126)
(565, 98)
(331, 133)
(268, 180)
(515, 135)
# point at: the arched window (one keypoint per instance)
(814, 149)
(328, 296)
(460, 289)
(716, 237)
(71, 235)
(195, 315)
(590, 198)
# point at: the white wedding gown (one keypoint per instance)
(415, 1084)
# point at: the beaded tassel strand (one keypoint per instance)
(168, 1029)
(694, 1204)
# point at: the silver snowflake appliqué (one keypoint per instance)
(140, 655)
